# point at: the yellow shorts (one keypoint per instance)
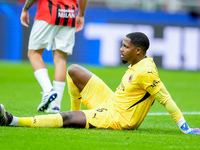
(96, 97)
(95, 92)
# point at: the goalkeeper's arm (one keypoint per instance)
(164, 98)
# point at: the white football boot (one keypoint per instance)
(47, 98)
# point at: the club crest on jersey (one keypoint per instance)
(130, 78)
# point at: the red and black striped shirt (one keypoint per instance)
(57, 12)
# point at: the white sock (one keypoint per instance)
(43, 79)
(180, 122)
(59, 87)
(15, 121)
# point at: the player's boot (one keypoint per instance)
(55, 106)
(53, 110)
(5, 117)
(47, 98)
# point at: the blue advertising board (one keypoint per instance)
(172, 36)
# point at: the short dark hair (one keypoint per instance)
(139, 39)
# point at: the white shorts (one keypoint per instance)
(45, 35)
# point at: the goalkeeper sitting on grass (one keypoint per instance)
(125, 108)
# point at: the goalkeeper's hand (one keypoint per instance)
(187, 130)
(195, 131)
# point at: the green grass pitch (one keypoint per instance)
(20, 94)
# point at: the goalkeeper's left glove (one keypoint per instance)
(187, 130)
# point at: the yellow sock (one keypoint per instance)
(53, 121)
(25, 121)
(74, 94)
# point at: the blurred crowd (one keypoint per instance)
(146, 5)
(151, 5)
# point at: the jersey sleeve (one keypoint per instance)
(164, 98)
(149, 80)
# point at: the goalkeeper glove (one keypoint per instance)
(187, 130)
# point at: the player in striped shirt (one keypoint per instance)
(54, 27)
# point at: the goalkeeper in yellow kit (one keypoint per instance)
(125, 108)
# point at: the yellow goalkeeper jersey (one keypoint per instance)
(133, 97)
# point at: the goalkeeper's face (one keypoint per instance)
(129, 52)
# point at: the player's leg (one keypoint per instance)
(40, 69)
(41, 74)
(86, 87)
(64, 119)
(59, 79)
(77, 78)
(60, 65)
(74, 93)
(79, 75)
(74, 119)
(41, 37)
(63, 43)
(35, 58)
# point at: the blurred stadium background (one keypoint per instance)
(171, 25)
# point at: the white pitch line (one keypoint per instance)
(166, 113)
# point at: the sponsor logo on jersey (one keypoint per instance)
(121, 87)
(155, 83)
(63, 13)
